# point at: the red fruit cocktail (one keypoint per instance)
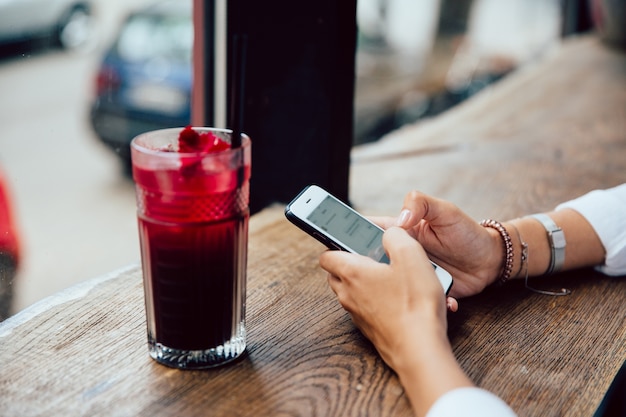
(192, 207)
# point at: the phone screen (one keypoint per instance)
(348, 227)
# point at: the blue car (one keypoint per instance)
(144, 80)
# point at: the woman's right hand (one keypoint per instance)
(471, 253)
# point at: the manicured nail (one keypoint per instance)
(403, 217)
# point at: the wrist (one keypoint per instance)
(555, 262)
(495, 261)
(429, 370)
(532, 232)
(520, 250)
(414, 345)
(500, 239)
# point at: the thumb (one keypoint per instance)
(402, 249)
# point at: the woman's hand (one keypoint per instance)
(471, 253)
(401, 308)
(387, 299)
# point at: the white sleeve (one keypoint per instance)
(605, 210)
(470, 402)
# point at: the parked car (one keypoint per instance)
(144, 80)
(66, 23)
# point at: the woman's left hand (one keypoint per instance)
(401, 308)
(385, 300)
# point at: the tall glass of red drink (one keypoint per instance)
(192, 209)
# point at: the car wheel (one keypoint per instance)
(75, 29)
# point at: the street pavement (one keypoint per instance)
(75, 212)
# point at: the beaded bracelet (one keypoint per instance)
(508, 248)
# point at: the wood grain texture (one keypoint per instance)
(543, 135)
(544, 355)
(83, 356)
(548, 133)
(548, 356)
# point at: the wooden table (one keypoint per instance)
(547, 133)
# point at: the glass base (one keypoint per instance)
(198, 359)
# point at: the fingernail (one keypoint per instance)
(403, 217)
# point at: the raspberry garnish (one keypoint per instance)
(191, 141)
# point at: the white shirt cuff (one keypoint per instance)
(605, 211)
(470, 402)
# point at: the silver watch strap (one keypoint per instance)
(556, 238)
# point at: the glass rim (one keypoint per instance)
(134, 143)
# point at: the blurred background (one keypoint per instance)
(78, 79)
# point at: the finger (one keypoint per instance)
(403, 249)
(385, 222)
(403, 219)
(334, 282)
(452, 304)
(422, 206)
(331, 260)
(337, 286)
(345, 265)
(409, 259)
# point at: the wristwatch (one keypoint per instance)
(556, 238)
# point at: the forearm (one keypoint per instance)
(427, 370)
(583, 247)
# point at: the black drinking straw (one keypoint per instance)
(237, 84)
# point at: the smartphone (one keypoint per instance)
(340, 227)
